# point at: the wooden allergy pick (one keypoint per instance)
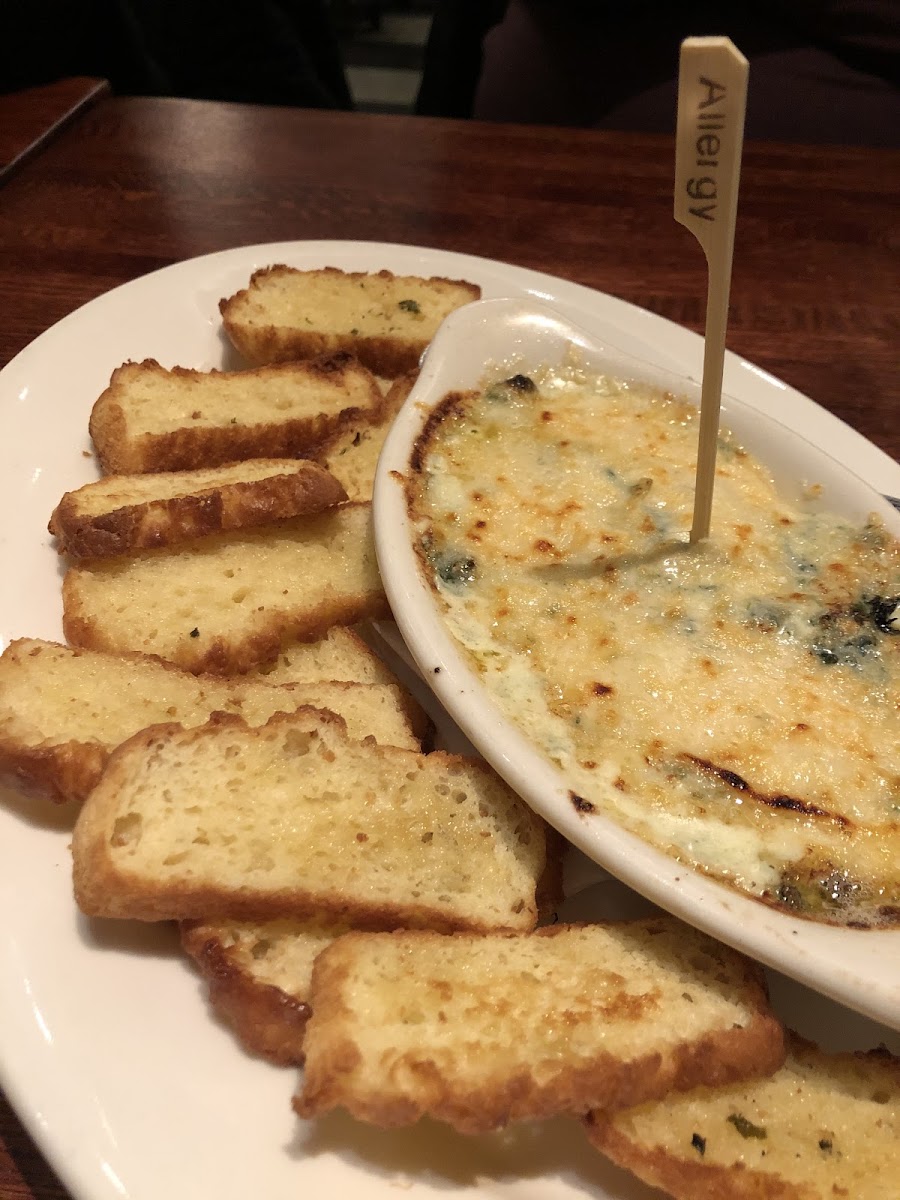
(712, 98)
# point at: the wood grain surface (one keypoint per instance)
(136, 184)
(30, 119)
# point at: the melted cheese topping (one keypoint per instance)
(734, 703)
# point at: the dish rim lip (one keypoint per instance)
(765, 932)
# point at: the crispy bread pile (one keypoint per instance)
(243, 764)
(64, 711)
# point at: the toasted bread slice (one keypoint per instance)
(296, 819)
(259, 972)
(823, 1126)
(63, 711)
(229, 602)
(351, 454)
(386, 320)
(479, 1031)
(385, 712)
(259, 975)
(341, 655)
(123, 513)
(154, 419)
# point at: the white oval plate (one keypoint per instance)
(860, 968)
(107, 1047)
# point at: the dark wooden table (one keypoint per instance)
(31, 119)
(132, 185)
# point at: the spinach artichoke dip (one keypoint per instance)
(736, 702)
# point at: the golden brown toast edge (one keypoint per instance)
(150, 524)
(188, 447)
(702, 1180)
(62, 771)
(267, 1020)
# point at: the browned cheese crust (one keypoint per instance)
(268, 1021)
(518, 1094)
(154, 523)
(387, 357)
(190, 447)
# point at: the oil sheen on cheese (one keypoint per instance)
(735, 703)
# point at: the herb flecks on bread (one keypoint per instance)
(229, 602)
(823, 1126)
(386, 320)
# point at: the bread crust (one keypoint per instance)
(190, 447)
(219, 655)
(384, 356)
(64, 773)
(387, 357)
(393, 401)
(95, 882)
(154, 523)
(606, 1082)
(352, 452)
(267, 1020)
